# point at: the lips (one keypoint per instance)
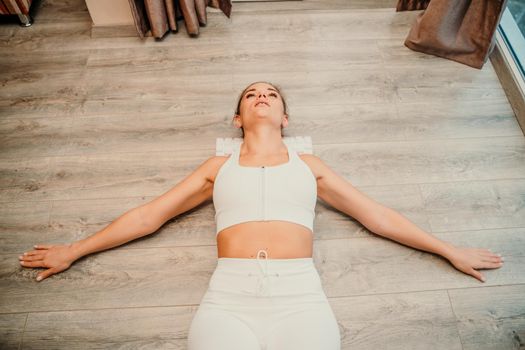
(258, 103)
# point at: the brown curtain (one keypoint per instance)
(161, 16)
(459, 30)
(14, 7)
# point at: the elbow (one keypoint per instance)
(382, 221)
(147, 222)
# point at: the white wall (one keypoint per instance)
(110, 12)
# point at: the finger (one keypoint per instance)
(495, 259)
(477, 274)
(492, 265)
(486, 264)
(34, 252)
(483, 251)
(45, 274)
(32, 258)
(39, 263)
(491, 255)
(42, 246)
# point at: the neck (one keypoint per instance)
(263, 143)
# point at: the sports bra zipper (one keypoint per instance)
(263, 172)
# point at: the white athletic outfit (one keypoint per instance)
(264, 303)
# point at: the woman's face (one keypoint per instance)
(261, 101)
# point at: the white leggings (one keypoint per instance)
(264, 304)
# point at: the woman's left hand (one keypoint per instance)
(469, 259)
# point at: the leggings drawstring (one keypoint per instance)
(263, 281)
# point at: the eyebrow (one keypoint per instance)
(254, 89)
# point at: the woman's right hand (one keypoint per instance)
(56, 258)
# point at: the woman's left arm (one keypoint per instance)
(386, 222)
(395, 226)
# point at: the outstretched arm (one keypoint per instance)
(137, 222)
(395, 226)
(384, 221)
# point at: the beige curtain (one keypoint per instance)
(459, 30)
(161, 16)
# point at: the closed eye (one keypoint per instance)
(271, 94)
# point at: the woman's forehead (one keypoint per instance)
(261, 85)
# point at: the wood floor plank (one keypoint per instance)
(144, 328)
(22, 177)
(311, 25)
(456, 160)
(357, 122)
(128, 130)
(490, 318)
(60, 35)
(51, 62)
(21, 223)
(126, 175)
(23, 94)
(163, 93)
(461, 84)
(364, 164)
(477, 204)
(422, 320)
(11, 329)
(461, 119)
(215, 58)
(34, 137)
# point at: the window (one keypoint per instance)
(512, 31)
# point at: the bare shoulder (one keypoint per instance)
(317, 166)
(213, 164)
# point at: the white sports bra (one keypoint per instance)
(286, 192)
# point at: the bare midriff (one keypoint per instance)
(280, 239)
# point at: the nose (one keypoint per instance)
(261, 97)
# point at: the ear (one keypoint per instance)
(237, 121)
(285, 121)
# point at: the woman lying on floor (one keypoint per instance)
(265, 292)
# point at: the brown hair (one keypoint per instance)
(237, 110)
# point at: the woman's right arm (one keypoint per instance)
(137, 222)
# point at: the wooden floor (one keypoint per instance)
(94, 126)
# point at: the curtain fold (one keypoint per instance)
(14, 7)
(412, 5)
(459, 30)
(161, 16)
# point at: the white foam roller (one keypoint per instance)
(226, 145)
